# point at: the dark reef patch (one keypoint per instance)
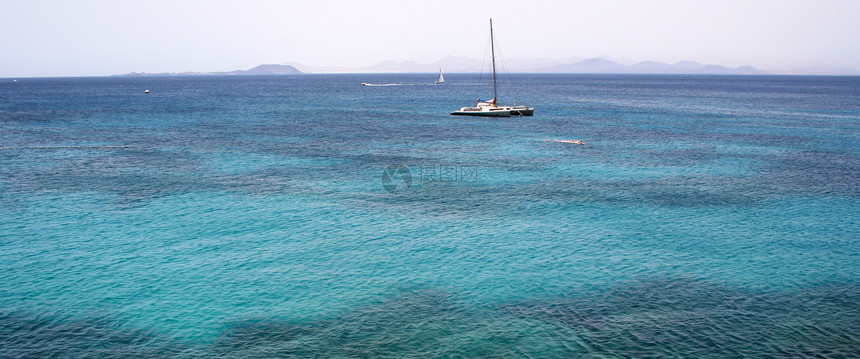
(657, 317)
(671, 317)
(24, 335)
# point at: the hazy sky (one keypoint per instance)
(81, 38)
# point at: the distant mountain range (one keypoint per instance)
(599, 65)
(259, 70)
(452, 64)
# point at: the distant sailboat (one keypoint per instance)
(491, 108)
(441, 79)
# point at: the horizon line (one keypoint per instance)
(192, 74)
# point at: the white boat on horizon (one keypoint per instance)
(441, 79)
(491, 107)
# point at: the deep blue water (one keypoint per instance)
(708, 216)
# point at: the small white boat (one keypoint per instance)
(369, 84)
(441, 79)
(491, 108)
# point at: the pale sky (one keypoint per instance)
(93, 38)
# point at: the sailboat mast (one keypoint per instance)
(493, 56)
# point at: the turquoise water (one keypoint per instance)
(252, 217)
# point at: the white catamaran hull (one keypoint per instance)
(490, 109)
(483, 111)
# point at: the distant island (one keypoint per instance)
(259, 70)
(573, 65)
(601, 65)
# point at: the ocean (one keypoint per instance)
(311, 216)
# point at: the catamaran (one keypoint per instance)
(441, 79)
(491, 108)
